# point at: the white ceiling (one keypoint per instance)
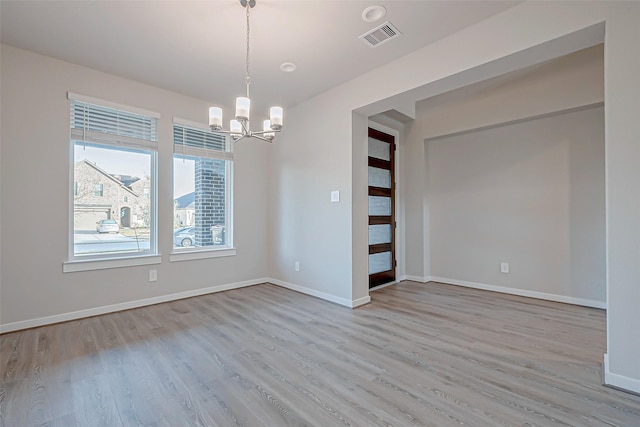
(197, 48)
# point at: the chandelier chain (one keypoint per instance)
(248, 76)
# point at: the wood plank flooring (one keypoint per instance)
(418, 355)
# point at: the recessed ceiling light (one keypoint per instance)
(373, 13)
(288, 67)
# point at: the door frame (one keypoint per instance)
(398, 241)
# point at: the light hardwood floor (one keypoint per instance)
(419, 354)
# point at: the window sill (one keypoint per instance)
(201, 254)
(103, 264)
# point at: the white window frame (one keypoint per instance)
(185, 254)
(114, 260)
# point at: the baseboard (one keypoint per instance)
(360, 301)
(64, 317)
(322, 295)
(619, 381)
(522, 292)
(414, 278)
(80, 314)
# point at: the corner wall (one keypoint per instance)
(36, 199)
(475, 120)
(524, 35)
(530, 194)
(307, 163)
(622, 103)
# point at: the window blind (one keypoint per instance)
(189, 141)
(105, 125)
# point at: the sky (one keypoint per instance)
(135, 163)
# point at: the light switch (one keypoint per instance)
(335, 196)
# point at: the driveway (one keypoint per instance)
(87, 241)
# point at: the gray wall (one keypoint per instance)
(327, 127)
(530, 194)
(35, 176)
(571, 81)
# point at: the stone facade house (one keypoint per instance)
(99, 195)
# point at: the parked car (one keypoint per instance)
(107, 226)
(184, 237)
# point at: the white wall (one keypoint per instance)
(35, 195)
(622, 102)
(519, 37)
(304, 221)
(530, 194)
(572, 81)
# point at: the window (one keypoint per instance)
(202, 174)
(115, 146)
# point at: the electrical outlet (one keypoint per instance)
(153, 275)
(504, 267)
(296, 266)
(335, 196)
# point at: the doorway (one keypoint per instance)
(382, 224)
(125, 216)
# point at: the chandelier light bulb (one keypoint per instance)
(215, 118)
(275, 114)
(243, 105)
(235, 126)
(266, 127)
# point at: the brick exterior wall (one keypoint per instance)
(209, 201)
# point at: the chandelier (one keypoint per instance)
(239, 127)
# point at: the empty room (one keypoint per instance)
(321, 213)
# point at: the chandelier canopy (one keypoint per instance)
(239, 127)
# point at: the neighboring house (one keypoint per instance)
(99, 195)
(185, 210)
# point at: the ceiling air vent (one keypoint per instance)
(380, 34)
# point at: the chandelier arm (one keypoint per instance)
(262, 132)
(261, 138)
(239, 138)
